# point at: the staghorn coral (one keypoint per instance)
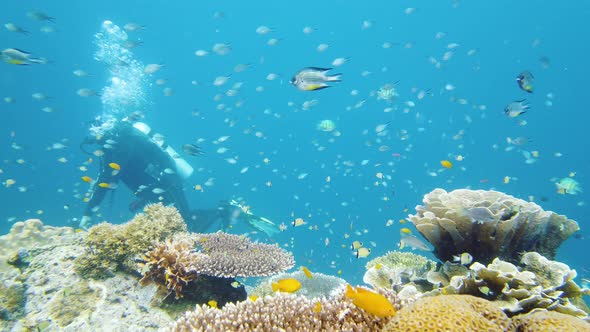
(450, 313)
(549, 321)
(488, 224)
(283, 312)
(522, 290)
(396, 268)
(320, 285)
(114, 247)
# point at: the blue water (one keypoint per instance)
(496, 42)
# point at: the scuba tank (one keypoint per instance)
(182, 167)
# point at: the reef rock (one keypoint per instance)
(489, 225)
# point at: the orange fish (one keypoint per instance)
(371, 302)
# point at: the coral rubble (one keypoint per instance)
(488, 225)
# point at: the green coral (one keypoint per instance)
(113, 248)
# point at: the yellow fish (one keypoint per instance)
(86, 178)
(406, 230)
(288, 285)
(115, 166)
(9, 183)
(235, 284)
(298, 222)
(362, 252)
(104, 185)
(306, 272)
(446, 164)
(378, 266)
(213, 304)
(253, 298)
(370, 302)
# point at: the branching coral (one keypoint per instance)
(115, 247)
(230, 255)
(489, 224)
(283, 312)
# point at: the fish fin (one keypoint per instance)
(25, 52)
(320, 69)
(317, 87)
(350, 292)
(275, 286)
(334, 78)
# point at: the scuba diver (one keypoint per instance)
(131, 153)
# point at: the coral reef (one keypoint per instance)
(25, 236)
(12, 298)
(488, 224)
(230, 255)
(397, 268)
(186, 260)
(283, 312)
(548, 321)
(114, 247)
(319, 285)
(47, 294)
(537, 285)
(450, 313)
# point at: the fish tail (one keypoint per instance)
(274, 286)
(334, 78)
(39, 60)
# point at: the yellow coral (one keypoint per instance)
(549, 321)
(450, 313)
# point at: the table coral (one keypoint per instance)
(396, 268)
(488, 224)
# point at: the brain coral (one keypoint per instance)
(549, 321)
(489, 224)
(449, 313)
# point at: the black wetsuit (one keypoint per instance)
(142, 163)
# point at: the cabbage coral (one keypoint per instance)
(488, 224)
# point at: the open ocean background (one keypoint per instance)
(496, 41)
